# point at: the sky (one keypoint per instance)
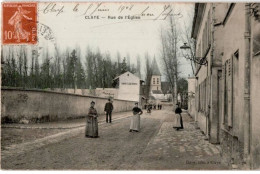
(73, 27)
(112, 30)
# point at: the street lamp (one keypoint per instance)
(198, 60)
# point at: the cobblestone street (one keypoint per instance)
(156, 147)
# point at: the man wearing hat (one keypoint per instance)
(108, 110)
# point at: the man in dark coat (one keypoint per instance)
(108, 110)
(179, 111)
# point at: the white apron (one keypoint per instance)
(177, 120)
(135, 122)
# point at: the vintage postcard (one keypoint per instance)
(130, 85)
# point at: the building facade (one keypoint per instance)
(191, 96)
(226, 95)
(129, 87)
(207, 75)
(155, 84)
(156, 94)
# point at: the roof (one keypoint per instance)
(197, 19)
(155, 69)
(125, 73)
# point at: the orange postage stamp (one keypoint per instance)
(19, 23)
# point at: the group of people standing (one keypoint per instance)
(150, 106)
(91, 130)
(92, 122)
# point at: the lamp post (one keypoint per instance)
(197, 60)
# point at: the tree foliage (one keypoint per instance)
(169, 40)
(64, 71)
(182, 85)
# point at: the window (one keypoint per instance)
(153, 80)
(157, 80)
(202, 96)
(228, 93)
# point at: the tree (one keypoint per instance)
(124, 67)
(63, 70)
(149, 73)
(128, 62)
(45, 72)
(20, 65)
(25, 68)
(182, 85)
(80, 74)
(138, 67)
(169, 40)
(118, 63)
(89, 68)
(72, 75)
(37, 73)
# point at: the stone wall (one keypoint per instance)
(231, 149)
(41, 106)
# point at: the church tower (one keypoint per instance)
(155, 84)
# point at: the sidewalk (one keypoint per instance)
(184, 149)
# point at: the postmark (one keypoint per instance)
(19, 24)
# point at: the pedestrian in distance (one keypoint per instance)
(135, 120)
(179, 122)
(108, 110)
(92, 122)
(149, 108)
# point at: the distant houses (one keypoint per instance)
(129, 86)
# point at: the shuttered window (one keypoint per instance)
(228, 93)
(203, 96)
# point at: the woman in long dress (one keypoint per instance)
(179, 122)
(135, 120)
(92, 122)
